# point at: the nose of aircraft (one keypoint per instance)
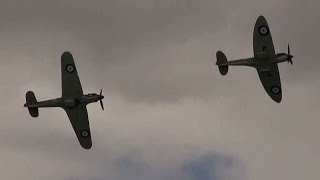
(290, 59)
(101, 96)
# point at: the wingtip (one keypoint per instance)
(86, 144)
(277, 99)
(66, 53)
(261, 18)
(219, 52)
(87, 148)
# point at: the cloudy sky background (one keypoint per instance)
(169, 113)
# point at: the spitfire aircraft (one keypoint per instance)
(73, 101)
(265, 60)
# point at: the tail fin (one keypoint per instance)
(222, 63)
(31, 100)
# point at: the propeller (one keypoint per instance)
(100, 98)
(290, 56)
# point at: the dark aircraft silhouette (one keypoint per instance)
(265, 60)
(73, 101)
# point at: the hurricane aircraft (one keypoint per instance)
(73, 101)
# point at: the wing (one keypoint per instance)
(79, 119)
(262, 41)
(270, 80)
(71, 86)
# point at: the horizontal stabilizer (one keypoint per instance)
(222, 62)
(31, 100)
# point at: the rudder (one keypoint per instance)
(31, 99)
(222, 63)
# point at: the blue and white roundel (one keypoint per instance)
(263, 30)
(275, 90)
(84, 133)
(70, 68)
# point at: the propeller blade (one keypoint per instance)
(290, 56)
(101, 103)
(101, 97)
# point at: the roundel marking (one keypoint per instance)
(263, 30)
(70, 68)
(84, 133)
(275, 90)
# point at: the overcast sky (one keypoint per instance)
(169, 114)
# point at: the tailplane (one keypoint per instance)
(31, 100)
(222, 62)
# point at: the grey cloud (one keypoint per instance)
(212, 166)
(208, 167)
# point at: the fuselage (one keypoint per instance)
(260, 63)
(68, 103)
(278, 58)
